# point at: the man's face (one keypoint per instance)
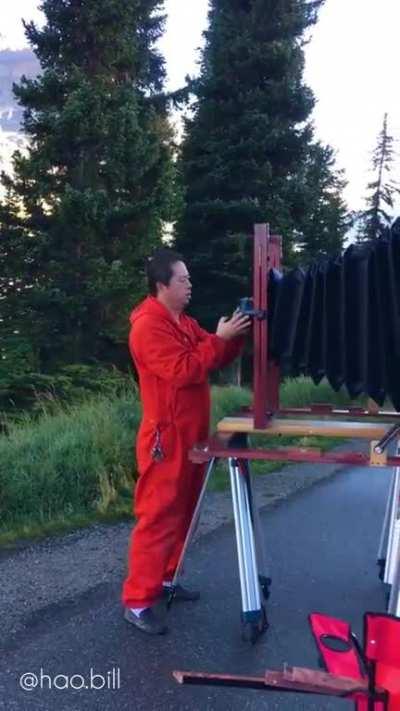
(179, 290)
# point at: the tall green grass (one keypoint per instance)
(73, 464)
(299, 392)
(76, 464)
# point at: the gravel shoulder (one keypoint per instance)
(66, 571)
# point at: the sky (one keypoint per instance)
(351, 65)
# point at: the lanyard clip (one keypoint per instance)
(156, 453)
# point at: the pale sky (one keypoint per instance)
(351, 65)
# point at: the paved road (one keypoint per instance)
(323, 545)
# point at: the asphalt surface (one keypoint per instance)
(322, 547)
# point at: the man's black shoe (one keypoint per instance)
(147, 621)
(180, 593)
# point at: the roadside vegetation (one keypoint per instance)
(70, 465)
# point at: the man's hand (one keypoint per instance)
(237, 325)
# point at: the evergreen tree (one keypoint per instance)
(320, 212)
(89, 199)
(244, 143)
(373, 221)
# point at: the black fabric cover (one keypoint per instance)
(274, 283)
(302, 340)
(356, 322)
(340, 319)
(334, 324)
(316, 365)
(286, 311)
(376, 371)
(389, 316)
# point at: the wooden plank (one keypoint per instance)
(306, 428)
(296, 679)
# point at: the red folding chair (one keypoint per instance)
(368, 675)
(378, 660)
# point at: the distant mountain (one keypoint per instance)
(13, 64)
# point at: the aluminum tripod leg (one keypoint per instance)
(193, 525)
(264, 579)
(393, 549)
(252, 609)
(394, 599)
(384, 539)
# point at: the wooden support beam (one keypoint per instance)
(306, 428)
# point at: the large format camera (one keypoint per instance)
(340, 318)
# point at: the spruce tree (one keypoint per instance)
(244, 143)
(320, 212)
(377, 216)
(89, 199)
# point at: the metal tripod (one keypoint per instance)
(250, 549)
(389, 547)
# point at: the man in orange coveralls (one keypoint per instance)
(173, 357)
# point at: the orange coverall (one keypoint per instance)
(173, 361)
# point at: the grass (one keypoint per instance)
(74, 465)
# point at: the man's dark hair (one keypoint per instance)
(159, 268)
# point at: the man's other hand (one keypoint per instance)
(237, 325)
